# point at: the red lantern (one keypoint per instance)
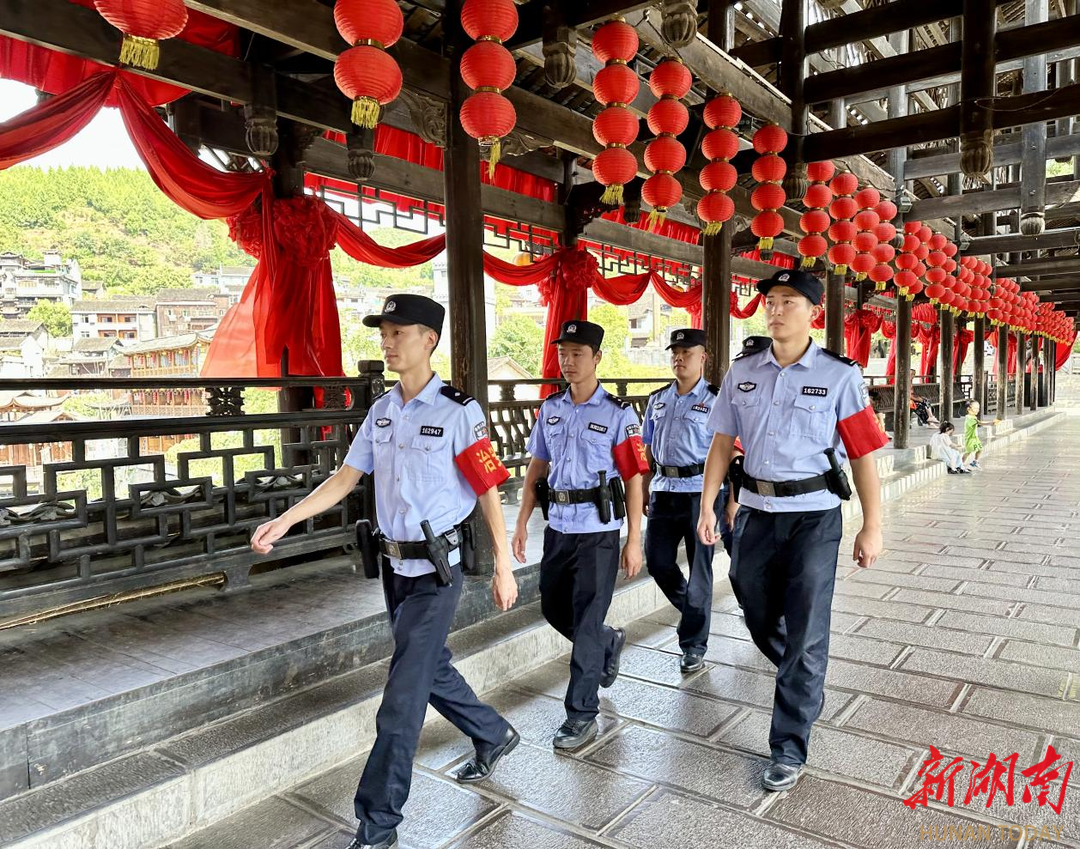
(768, 169)
(843, 232)
(820, 172)
(144, 23)
(768, 224)
(881, 274)
(815, 221)
(721, 114)
(366, 73)
(615, 126)
(811, 247)
(841, 255)
(488, 68)
(615, 86)
(370, 78)
(665, 155)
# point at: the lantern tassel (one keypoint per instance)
(613, 195)
(365, 112)
(656, 219)
(839, 269)
(765, 246)
(138, 52)
(808, 262)
(494, 154)
(713, 228)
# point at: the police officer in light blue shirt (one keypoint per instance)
(427, 445)
(583, 440)
(677, 439)
(793, 405)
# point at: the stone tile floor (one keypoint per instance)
(964, 637)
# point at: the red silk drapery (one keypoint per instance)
(1064, 351)
(1010, 357)
(962, 342)
(859, 329)
(748, 310)
(888, 330)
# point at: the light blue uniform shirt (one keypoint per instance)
(580, 440)
(676, 426)
(787, 417)
(412, 448)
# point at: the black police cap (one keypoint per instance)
(410, 309)
(753, 344)
(686, 337)
(582, 332)
(801, 281)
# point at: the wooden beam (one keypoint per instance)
(1043, 267)
(977, 202)
(580, 13)
(1006, 152)
(1012, 111)
(906, 68)
(1033, 159)
(1056, 285)
(1068, 237)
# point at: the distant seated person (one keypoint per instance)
(921, 408)
(877, 404)
(943, 448)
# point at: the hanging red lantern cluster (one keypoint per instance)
(769, 196)
(972, 284)
(1054, 325)
(488, 69)
(884, 252)
(909, 269)
(842, 231)
(815, 220)
(665, 156)
(615, 86)
(366, 73)
(866, 219)
(144, 23)
(722, 115)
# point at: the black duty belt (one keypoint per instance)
(415, 550)
(680, 471)
(575, 496)
(785, 489)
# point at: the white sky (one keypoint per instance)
(103, 142)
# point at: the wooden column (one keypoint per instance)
(467, 323)
(716, 250)
(946, 372)
(1021, 371)
(793, 66)
(1051, 372)
(977, 84)
(901, 406)
(464, 230)
(834, 312)
(1033, 155)
(896, 159)
(1003, 373)
(978, 353)
(1035, 401)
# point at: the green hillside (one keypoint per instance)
(127, 234)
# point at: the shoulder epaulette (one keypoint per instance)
(558, 394)
(380, 395)
(840, 357)
(661, 389)
(619, 401)
(742, 355)
(713, 388)
(456, 395)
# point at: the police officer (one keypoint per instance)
(428, 446)
(790, 404)
(586, 446)
(676, 443)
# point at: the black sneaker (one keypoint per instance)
(611, 670)
(691, 662)
(573, 734)
(779, 777)
(390, 842)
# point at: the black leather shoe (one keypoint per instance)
(389, 843)
(780, 777)
(483, 763)
(575, 734)
(691, 662)
(611, 670)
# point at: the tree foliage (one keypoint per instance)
(521, 338)
(55, 316)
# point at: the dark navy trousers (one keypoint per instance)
(420, 672)
(577, 579)
(673, 518)
(783, 570)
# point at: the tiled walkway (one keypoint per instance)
(964, 637)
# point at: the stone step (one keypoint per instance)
(178, 784)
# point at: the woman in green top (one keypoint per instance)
(972, 445)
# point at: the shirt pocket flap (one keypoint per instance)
(811, 403)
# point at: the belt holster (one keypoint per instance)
(367, 543)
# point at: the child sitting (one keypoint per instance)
(942, 448)
(972, 445)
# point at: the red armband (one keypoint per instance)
(481, 466)
(630, 457)
(861, 433)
